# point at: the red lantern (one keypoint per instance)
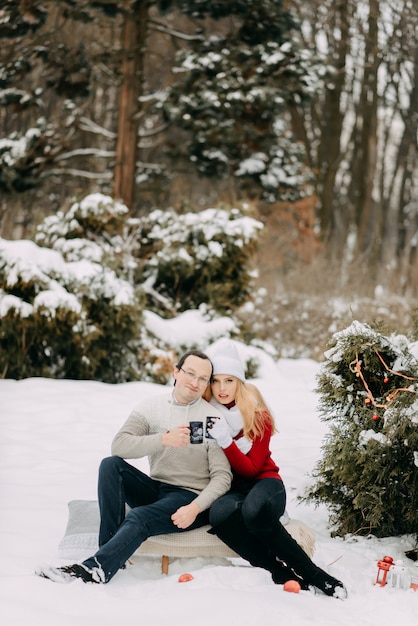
(383, 567)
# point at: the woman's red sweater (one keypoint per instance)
(257, 464)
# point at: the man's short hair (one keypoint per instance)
(198, 353)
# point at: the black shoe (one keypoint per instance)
(329, 585)
(68, 573)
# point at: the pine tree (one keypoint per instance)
(367, 476)
(233, 93)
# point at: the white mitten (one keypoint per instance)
(220, 432)
(244, 444)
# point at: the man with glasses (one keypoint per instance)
(184, 480)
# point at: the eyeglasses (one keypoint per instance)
(201, 380)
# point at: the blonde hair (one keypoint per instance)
(254, 411)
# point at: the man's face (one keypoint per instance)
(191, 379)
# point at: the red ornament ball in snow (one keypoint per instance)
(184, 578)
(292, 586)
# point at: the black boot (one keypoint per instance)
(234, 533)
(274, 536)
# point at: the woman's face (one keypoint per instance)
(224, 388)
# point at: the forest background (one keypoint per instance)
(301, 113)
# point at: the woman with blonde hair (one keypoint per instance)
(247, 518)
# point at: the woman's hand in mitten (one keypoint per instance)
(220, 432)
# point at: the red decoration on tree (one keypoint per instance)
(375, 418)
(355, 367)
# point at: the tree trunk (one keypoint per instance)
(368, 140)
(408, 203)
(133, 38)
(331, 120)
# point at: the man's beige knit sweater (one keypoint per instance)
(202, 468)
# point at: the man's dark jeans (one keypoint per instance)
(152, 504)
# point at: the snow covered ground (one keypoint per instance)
(53, 436)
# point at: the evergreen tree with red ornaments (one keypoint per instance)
(368, 394)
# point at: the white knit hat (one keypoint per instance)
(225, 360)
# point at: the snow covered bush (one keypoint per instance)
(63, 319)
(198, 258)
(176, 261)
(72, 304)
(368, 474)
(93, 229)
